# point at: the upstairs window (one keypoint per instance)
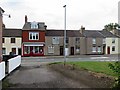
(34, 25)
(12, 40)
(113, 40)
(55, 40)
(104, 40)
(77, 40)
(33, 35)
(94, 41)
(3, 40)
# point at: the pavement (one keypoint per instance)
(74, 58)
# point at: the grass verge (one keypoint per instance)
(96, 66)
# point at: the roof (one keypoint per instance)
(118, 32)
(2, 11)
(107, 33)
(9, 32)
(69, 33)
(27, 26)
(93, 34)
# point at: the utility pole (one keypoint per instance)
(64, 34)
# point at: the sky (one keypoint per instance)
(92, 14)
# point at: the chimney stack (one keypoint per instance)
(82, 29)
(26, 18)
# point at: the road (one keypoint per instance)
(74, 58)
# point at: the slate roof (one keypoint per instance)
(107, 34)
(27, 26)
(69, 33)
(118, 32)
(93, 34)
(9, 32)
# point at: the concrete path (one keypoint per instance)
(37, 75)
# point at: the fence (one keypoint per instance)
(2, 70)
(13, 63)
(7, 66)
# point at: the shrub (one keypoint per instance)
(116, 69)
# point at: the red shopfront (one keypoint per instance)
(33, 49)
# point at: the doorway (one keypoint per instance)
(108, 50)
(61, 50)
(19, 51)
(72, 51)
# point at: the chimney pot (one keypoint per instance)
(26, 18)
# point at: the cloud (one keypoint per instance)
(93, 14)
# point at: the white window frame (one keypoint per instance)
(113, 40)
(50, 49)
(94, 40)
(33, 34)
(104, 41)
(55, 40)
(99, 49)
(112, 48)
(4, 52)
(93, 49)
(34, 25)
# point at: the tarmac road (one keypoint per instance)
(38, 75)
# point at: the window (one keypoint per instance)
(99, 49)
(93, 49)
(77, 49)
(77, 40)
(3, 50)
(55, 40)
(34, 25)
(94, 41)
(67, 39)
(26, 50)
(3, 40)
(113, 48)
(104, 40)
(50, 49)
(12, 40)
(14, 50)
(113, 40)
(33, 35)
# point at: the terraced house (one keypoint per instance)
(11, 41)
(112, 42)
(36, 40)
(1, 23)
(94, 41)
(54, 42)
(33, 38)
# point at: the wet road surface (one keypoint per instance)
(33, 74)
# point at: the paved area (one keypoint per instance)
(34, 74)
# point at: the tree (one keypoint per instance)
(111, 26)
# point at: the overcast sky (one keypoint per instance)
(92, 14)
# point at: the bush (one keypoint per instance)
(116, 69)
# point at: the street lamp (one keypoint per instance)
(64, 35)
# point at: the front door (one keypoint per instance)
(108, 50)
(31, 50)
(61, 50)
(72, 50)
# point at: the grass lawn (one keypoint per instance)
(97, 66)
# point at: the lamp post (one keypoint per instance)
(64, 35)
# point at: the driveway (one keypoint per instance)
(34, 74)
